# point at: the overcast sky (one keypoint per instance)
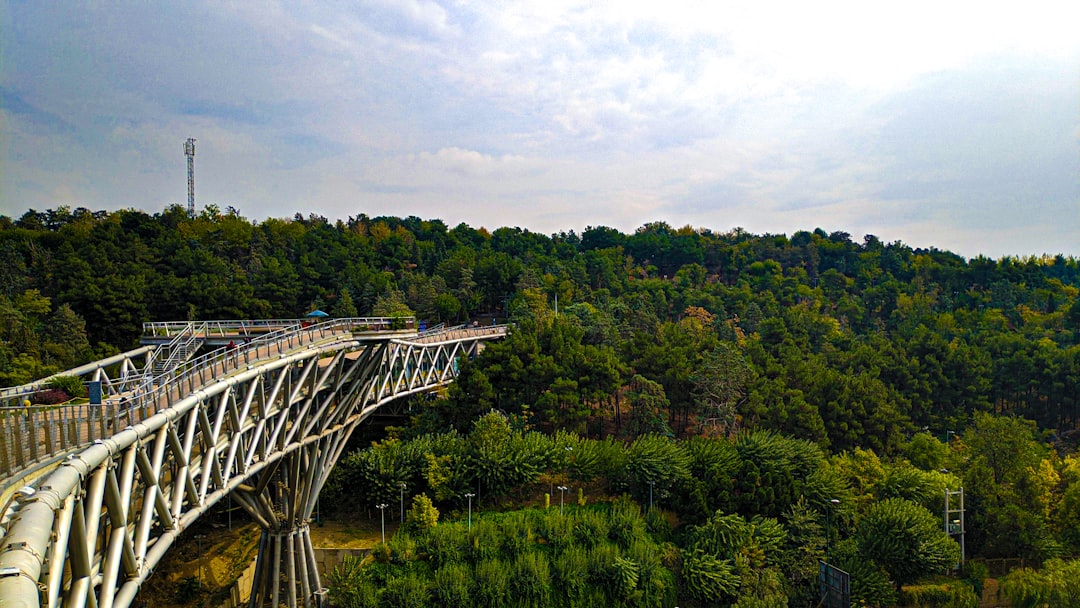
(947, 124)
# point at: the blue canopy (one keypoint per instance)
(317, 313)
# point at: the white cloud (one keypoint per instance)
(775, 116)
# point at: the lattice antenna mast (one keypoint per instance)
(189, 150)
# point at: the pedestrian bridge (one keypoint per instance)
(94, 494)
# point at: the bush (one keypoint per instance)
(51, 396)
(946, 595)
(350, 587)
(453, 586)
(422, 514)
(446, 544)
(571, 572)
(408, 591)
(71, 385)
(531, 579)
(492, 583)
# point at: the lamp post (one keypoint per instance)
(828, 525)
(198, 542)
(469, 496)
(382, 517)
(651, 484)
(562, 489)
(402, 485)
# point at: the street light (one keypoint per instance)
(198, 542)
(561, 490)
(469, 496)
(382, 516)
(828, 525)
(651, 484)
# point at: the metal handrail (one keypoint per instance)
(221, 328)
(230, 359)
(12, 395)
(68, 426)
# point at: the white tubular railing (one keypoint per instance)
(34, 434)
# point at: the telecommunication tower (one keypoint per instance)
(189, 150)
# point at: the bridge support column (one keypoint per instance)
(285, 572)
(282, 500)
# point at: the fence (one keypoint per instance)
(35, 434)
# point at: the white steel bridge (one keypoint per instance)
(93, 495)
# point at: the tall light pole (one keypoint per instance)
(402, 484)
(198, 541)
(382, 516)
(651, 484)
(828, 525)
(469, 496)
(562, 489)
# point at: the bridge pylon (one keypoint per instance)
(281, 500)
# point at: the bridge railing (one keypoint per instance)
(29, 435)
(192, 374)
(226, 328)
(14, 396)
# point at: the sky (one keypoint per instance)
(953, 125)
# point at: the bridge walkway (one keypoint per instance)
(34, 439)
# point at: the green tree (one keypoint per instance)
(422, 514)
(344, 307)
(906, 540)
(720, 382)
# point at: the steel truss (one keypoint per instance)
(91, 532)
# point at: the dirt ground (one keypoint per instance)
(202, 566)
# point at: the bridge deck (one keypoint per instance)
(35, 438)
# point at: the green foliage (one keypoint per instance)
(950, 595)
(849, 345)
(453, 586)
(773, 471)
(926, 452)
(530, 579)
(350, 585)
(709, 579)
(1056, 584)
(422, 514)
(870, 584)
(407, 591)
(72, 385)
(906, 540)
(492, 583)
(653, 462)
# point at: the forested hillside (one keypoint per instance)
(855, 346)
(845, 342)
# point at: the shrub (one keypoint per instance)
(422, 514)
(531, 579)
(453, 586)
(445, 544)
(590, 528)
(492, 583)
(350, 587)
(571, 571)
(953, 594)
(709, 579)
(50, 396)
(72, 385)
(408, 591)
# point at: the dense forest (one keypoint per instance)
(913, 359)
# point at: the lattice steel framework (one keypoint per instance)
(91, 532)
